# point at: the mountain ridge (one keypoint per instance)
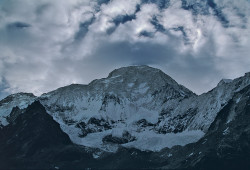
(225, 145)
(137, 101)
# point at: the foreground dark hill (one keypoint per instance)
(226, 145)
(34, 140)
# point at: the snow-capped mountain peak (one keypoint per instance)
(22, 100)
(223, 81)
(132, 105)
(129, 98)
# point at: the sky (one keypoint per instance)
(48, 44)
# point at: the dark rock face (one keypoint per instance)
(177, 123)
(226, 145)
(92, 126)
(144, 123)
(99, 123)
(109, 98)
(132, 158)
(37, 126)
(126, 137)
(13, 115)
(34, 140)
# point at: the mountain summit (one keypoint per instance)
(145, 73)
(129, 98)
(137, 79)
(136, 109)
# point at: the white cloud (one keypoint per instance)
(45, 54)
(130, 31)
(119, 7)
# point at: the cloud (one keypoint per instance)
(48, 44)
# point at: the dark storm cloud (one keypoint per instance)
(139, 53)
(121, 19)
(196, 73)
(159, 27)
(18, 25)
(218, 13)
(84, 28)
(47, 44)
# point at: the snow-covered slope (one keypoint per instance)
(133, 105)
(137, 89)
(128, 100)
(198, 112)
(22, 100)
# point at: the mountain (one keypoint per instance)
(137, 117)
(198, 112)
(34, 140)
(22, 100)
(128, 101)
(226, 144)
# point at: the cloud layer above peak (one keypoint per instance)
(48, 44)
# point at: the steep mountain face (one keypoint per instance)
(34, 125)
(34, 140)
(128, 101)
(134, 107)
(226, 144)
(136, 89)
(198, 112)
(21, 100)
